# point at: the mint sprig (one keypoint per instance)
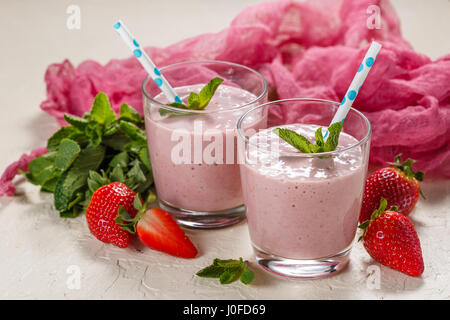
(304, 145)
(94, 150)
(228, 271)
(196, 101)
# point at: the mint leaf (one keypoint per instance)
(74, 179)
(211, 271)
(294, 139)
(111, 128)
(319, 138)
(50, 184)
(134, 147)
(135, 176)
(68, 151)
(101, 111)
(178, 105)
(247, 275)
(230, 275)
(120, 159)
(116, 141)
(304, 145)
(208, 91)
(333, 137)
(94, 132)
(42, 169)
(228, 271)
(130, 114)
(229, 263)
(117, 174)
(133, 131)
(64, 132)
(76, 122)
(195, 101)
(165, 112)
(145, 158)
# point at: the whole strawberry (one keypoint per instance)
(390, 238)
(104, 208)
(399, 185)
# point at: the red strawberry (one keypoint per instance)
(390, 238)
(157, 230)
(398, 185)
(103, 209)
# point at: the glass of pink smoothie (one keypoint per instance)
(303, 208)
(194, 152)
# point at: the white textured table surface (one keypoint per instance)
(39, 250)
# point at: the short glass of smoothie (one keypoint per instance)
(194, 152)
(303, 208)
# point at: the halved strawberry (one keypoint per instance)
(159, 231)
(156, 229)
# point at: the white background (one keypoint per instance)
(37, 246)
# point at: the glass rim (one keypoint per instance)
(300, 154)
(165, 106)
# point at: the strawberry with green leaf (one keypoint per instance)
(116, 213)
(398, 184)
(390, 238)
(103, 209)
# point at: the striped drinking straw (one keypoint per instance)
(146, 62)
(356, 84)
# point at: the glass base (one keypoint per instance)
(302, 269)
(204, 219)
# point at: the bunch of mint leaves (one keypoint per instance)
(304, 145)
(94, 150)
(196, 101)
(228, 271)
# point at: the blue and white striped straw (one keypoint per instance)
(146, 62)
(356, 84)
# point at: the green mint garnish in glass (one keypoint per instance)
(304, 145)
(196, 101)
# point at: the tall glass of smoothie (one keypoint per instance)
(303, 208)
(194, 152)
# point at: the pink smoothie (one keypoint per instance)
(303, 208)
(208, 179)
